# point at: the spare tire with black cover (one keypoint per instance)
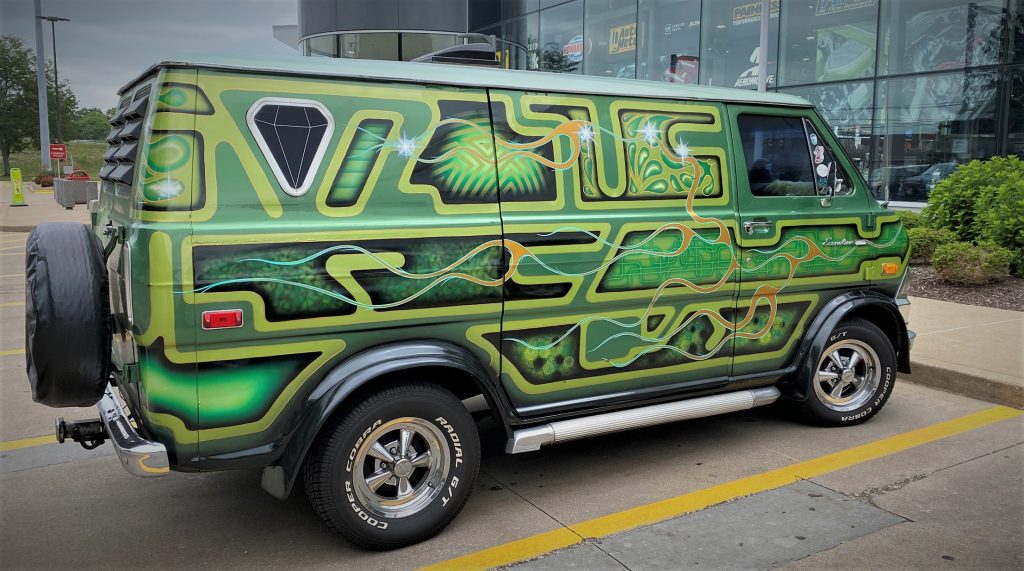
(67, 337)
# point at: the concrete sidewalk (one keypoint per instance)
(969, 350)
(41, 208)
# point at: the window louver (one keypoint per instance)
(123, 140)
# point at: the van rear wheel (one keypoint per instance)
(396, 467)
(854, 376)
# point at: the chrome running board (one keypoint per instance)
(530, 439)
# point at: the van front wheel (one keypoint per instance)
(396, 468)
(854, 375)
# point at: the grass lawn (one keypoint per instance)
(86, 155)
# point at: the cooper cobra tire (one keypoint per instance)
(67, 337)
(854, 376)
(395, 468)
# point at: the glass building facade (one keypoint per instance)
(911, 87)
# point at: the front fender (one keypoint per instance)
(869, 305)
(356, 372)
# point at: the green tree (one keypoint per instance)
(91, 124)
(18, 108)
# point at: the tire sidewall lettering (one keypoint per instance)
(349, 494)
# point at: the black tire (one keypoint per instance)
(337, 466)
(67, 336)
(865, 390)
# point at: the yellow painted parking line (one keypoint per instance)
(27, 442)
(9, 248)
(12, 304)
(543, 543)
(9, 352)
(12, 254)
(12, 275)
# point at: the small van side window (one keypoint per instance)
(824, 163)
(777, 155)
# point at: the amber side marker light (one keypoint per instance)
(222, 319)
(890, 269)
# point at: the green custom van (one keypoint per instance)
(318, 266)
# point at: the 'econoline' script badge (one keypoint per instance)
(842, 242)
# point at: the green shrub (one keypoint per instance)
(910, 219)
(983, 201)
(1000, 219)
(963, 263)
(923, 242)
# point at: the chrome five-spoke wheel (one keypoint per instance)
(403, 465)
(847, 375)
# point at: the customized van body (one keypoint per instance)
(310, 263)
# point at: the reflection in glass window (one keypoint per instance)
(1015, 131)
(418, 44)
(562, 48)
(1018, 30)
(935, 35)
(668, 40)
(374, 45)
(931, 124)
(521, 46)
(828, 41)
(483, 13)
(730, 32)
(847, 108)
(777, 156)
(513, 8)
(611, 37)
(322, 46)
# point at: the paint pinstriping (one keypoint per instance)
(553, 154)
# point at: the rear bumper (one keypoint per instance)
(140, 457)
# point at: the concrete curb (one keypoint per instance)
(965, 384)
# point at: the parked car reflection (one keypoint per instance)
(916, 188)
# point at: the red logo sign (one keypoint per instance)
(58, 152)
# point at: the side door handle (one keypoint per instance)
(750, 226)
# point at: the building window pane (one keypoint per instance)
(777, 156)
(934, 35)
(1018, 28)
(828, 41)
(322, 46)
(416, 45)
(730, 35)
(847, 108)
(483, 13)
(377, 45)
(931, 124)
(668, 40)
(561, 38)
(1015, 138)
(611, 38)
(521, 43)
(513, 8)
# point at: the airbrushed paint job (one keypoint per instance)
(408, 246)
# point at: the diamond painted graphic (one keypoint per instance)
(292, 138)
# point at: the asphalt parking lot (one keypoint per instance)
(934, 481)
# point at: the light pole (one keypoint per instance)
(44, 116)
(56, 83)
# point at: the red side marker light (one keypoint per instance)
(222, 319)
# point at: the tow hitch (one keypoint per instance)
(88, 433)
